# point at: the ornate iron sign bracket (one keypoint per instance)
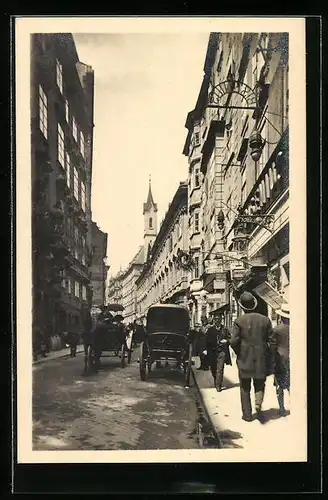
(229, 88)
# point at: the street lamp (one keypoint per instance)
(220, 219)
(256, 144)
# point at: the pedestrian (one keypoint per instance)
(217, 346)
(202, 344)
(120, 327)
(282, 364)
(252, 340)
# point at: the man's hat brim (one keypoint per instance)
(249, 308)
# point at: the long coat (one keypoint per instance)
(213, 342)
(253, 341)
(200, 339)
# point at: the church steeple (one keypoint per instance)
(150, 200)
(150, 220)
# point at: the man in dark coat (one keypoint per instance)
(217, 346)
(282, 370)
(252, 340)
(201, 344)
(139, 332)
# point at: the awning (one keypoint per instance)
(253, 277)
(269, 294)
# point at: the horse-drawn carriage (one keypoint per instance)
(108, 336)
(167, 337)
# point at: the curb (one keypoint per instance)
(63, 355)
(208, 418)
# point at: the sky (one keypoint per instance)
(145, 85)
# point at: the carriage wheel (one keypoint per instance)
(123, 351)
(187, 367)
(143, 363)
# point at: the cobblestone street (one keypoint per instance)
(113, 410)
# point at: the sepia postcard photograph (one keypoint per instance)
(161, 239)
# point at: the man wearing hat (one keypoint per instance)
(217, 345)
(201, 344)
(281, 373)
(252, 340)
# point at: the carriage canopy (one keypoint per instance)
(168, 318)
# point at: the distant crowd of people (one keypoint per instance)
(260, 351)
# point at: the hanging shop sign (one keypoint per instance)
(269, 294)
(237, 274)
(219, 284)
(235, 262)
(213, 266)
(217, 298)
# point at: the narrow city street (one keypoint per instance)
(112, 410)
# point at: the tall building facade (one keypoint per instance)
(129, 279)
(237, 147)
(99, 267)
(163, 277)
(114, 292)
(62, 90)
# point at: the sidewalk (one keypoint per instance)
(63, 353)
(273, 438)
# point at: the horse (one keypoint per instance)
(94, 342)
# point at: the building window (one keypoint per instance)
(59, 75)
(69, 285)
(229, 206)
(61, 146)
(43, 112)
(84, 292)
(196, 222)
(68, 170)
(82, 143)
(150, 223)
(197, 175)
(76, 184)
(67, 110)
(77, 289)
(243, 193)
(83, 196)
(83, 251)
(197, 138)
(76, 243)
(74, 125)
(196, 267)
(220, 62)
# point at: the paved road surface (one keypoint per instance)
(113, 410)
